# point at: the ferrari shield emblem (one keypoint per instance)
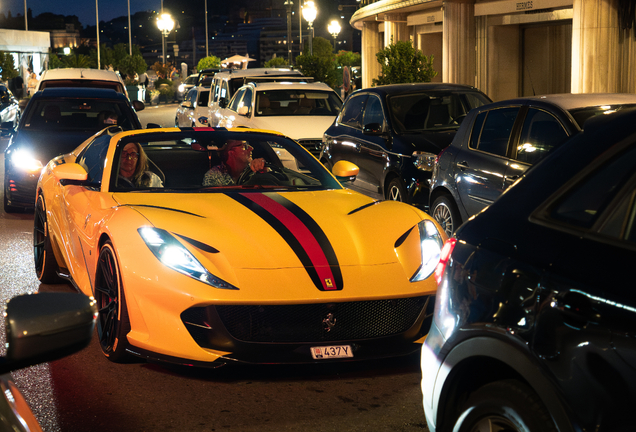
(328, 283)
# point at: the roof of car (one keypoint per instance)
(81, 73)
(569, 101)
(78, 92)
(254, 72)
(295, 85)
(411, 87)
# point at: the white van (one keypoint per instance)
(80, 77)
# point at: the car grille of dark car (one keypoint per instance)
(22, 189)
(312, 145)
(308, 323)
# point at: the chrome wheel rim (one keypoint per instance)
(444, 217)
(394, 194)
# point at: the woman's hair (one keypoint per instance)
(142, 163)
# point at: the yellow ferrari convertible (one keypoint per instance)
(207, 246)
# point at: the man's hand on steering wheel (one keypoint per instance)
(257, 165)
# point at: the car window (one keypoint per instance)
(75, 114)
(583, 204)
(247, 100)
(581, 115)
(236, 100)
(192, 95)
(351, 114)
(541, 133)
(224, 94)
(295, 102)
(495, 132)
(92, 158)
(373, 112)
(203, 98)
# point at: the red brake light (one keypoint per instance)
(447, 250)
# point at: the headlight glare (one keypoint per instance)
(24, 161)
(174, 255)
(431, 247)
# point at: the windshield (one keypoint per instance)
(77, 115)
(581, 115)
(201, 161)
(297, 102)
(432, 110)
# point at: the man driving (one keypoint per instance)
(236, 157)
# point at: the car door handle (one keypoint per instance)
(463, 165)
(511, 179)
(575, 307)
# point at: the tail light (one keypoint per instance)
(445, 255)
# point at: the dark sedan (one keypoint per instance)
(393, 134)
(55, 121)
(498, 142)
(535, 317)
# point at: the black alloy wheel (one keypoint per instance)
(113, 323)
(46, 266)
(503, 406)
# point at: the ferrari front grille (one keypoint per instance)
(320, 322)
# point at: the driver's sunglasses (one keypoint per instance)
(130, 155)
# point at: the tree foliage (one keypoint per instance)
(276, 62)
(77, 61)
(131, 65)
(209, 62)
(348, 58)
(7, 66)
(321, 64)
(402, 63)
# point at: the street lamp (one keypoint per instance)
(334, 29)
(288, 6)
(165, 24)
(309, 13)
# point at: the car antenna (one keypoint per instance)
(531, 83)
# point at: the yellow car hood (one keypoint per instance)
(324, 230)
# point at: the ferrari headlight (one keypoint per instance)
(174, 255)
(24, 161)
(431, 247)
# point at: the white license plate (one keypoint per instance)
(331, 352)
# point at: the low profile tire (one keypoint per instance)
(46, 266)
(445, 212)
(504, 406)
(395, 191)
(112, 324)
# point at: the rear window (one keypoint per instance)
(297, 102)
(581, 115)
(113, 85)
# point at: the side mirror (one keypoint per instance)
(223, 103)
(372, 129)
(203, 120)
(243, 111)
(186, 104)
(345, 171)
(153, 126)
(70, 171)
(138, 105)
(46, 326)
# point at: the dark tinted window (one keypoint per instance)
(582, 114)
(373, 112)
(352, 111)
(495, 133)
(541, 133)
(203, 98)
(585, 202)
(92, 158)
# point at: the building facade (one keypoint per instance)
(510, 48)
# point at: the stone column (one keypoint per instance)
(458, 46)
(596, 53)
(371, 44)
(395, 28)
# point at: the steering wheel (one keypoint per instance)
(270, 175)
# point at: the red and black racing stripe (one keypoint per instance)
(302, 234)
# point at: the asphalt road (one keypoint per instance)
(86, 392)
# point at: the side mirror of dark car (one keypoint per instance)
(45, 327)
(138, 105)
(223, 103)
(373, 129)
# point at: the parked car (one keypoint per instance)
(498, 142)
(393, 134)
(227, 82)
(535, 322)
(39, 328)
(300, 110)
(55, 121)
(205, 77)
(280, 265)
(9, 109)
(186, 85)
(193, 109)
(81, 77)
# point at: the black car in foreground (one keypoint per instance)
(393, 134)
(498, 142)
(535, 317)
(55, 121)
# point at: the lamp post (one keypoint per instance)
(288, 5)
(165, 24)
(309, 13)
(334, 30)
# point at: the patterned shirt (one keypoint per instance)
(218, 175)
